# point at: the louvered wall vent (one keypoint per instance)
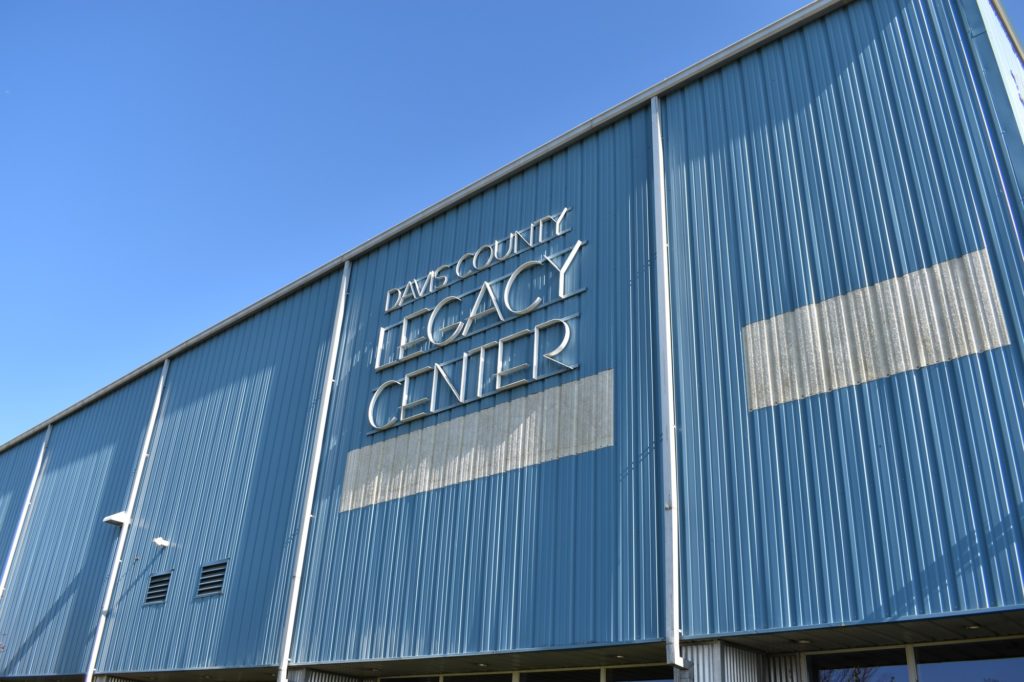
(211, 579)
(157, 591)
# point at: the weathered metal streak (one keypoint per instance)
(929, 316)
(853, 151)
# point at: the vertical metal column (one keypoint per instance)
(314, 471)
(911, 664)
(668, 395)
(23, 518)
(122, 535)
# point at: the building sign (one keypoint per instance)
(542, 270)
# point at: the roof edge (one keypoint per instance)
(1004, 19)
(773, 31)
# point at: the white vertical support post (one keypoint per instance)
(122, 536)
(314, 471)
(668, 396)
(911, 664)
(25, 506)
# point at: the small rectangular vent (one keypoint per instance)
(157, 591)
(211, 579)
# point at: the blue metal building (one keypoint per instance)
(723, 384)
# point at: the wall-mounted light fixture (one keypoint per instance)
(118, 519)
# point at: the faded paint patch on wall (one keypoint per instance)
(562, 421)
(932, 315)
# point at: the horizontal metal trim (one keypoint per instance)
(491, 653)
(769, 33)
(562, 421)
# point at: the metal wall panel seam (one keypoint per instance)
(668, 403)
(539, 557)
(754, 41)
(314, 468)
(24, 511)
(122, 535)
(786, 189)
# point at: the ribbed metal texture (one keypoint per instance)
(225, 483)
(857, 150)
(310, 675)
(703, 661)
(16, 467)
(785, 668)
(742, 665)
(48, 614)
(555, 554)
(716, 661)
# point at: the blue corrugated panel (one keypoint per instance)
(555, 554)
(16, 467)
(225, 483)
(852, 152)
(49, 613)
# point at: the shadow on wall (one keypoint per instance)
(225, 483)
(58, 640)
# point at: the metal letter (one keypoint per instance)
(460, 393)
(476, 312)
(458, 266)
(390, 305)
(565, 266)
(490, 257)
(457, 327)
(406, 342)
(508, 287)
(558, 222)
(373, 403)
(550, 355)
(406, 386)
(511, 370)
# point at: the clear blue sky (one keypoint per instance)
(163, 165)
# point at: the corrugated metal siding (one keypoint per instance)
(49, 613)
(703, 661)
(16, 467)
(225, 482)
(742, 665)
(562, 553)
(717, 661)
(851, 152)
(785, 668)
